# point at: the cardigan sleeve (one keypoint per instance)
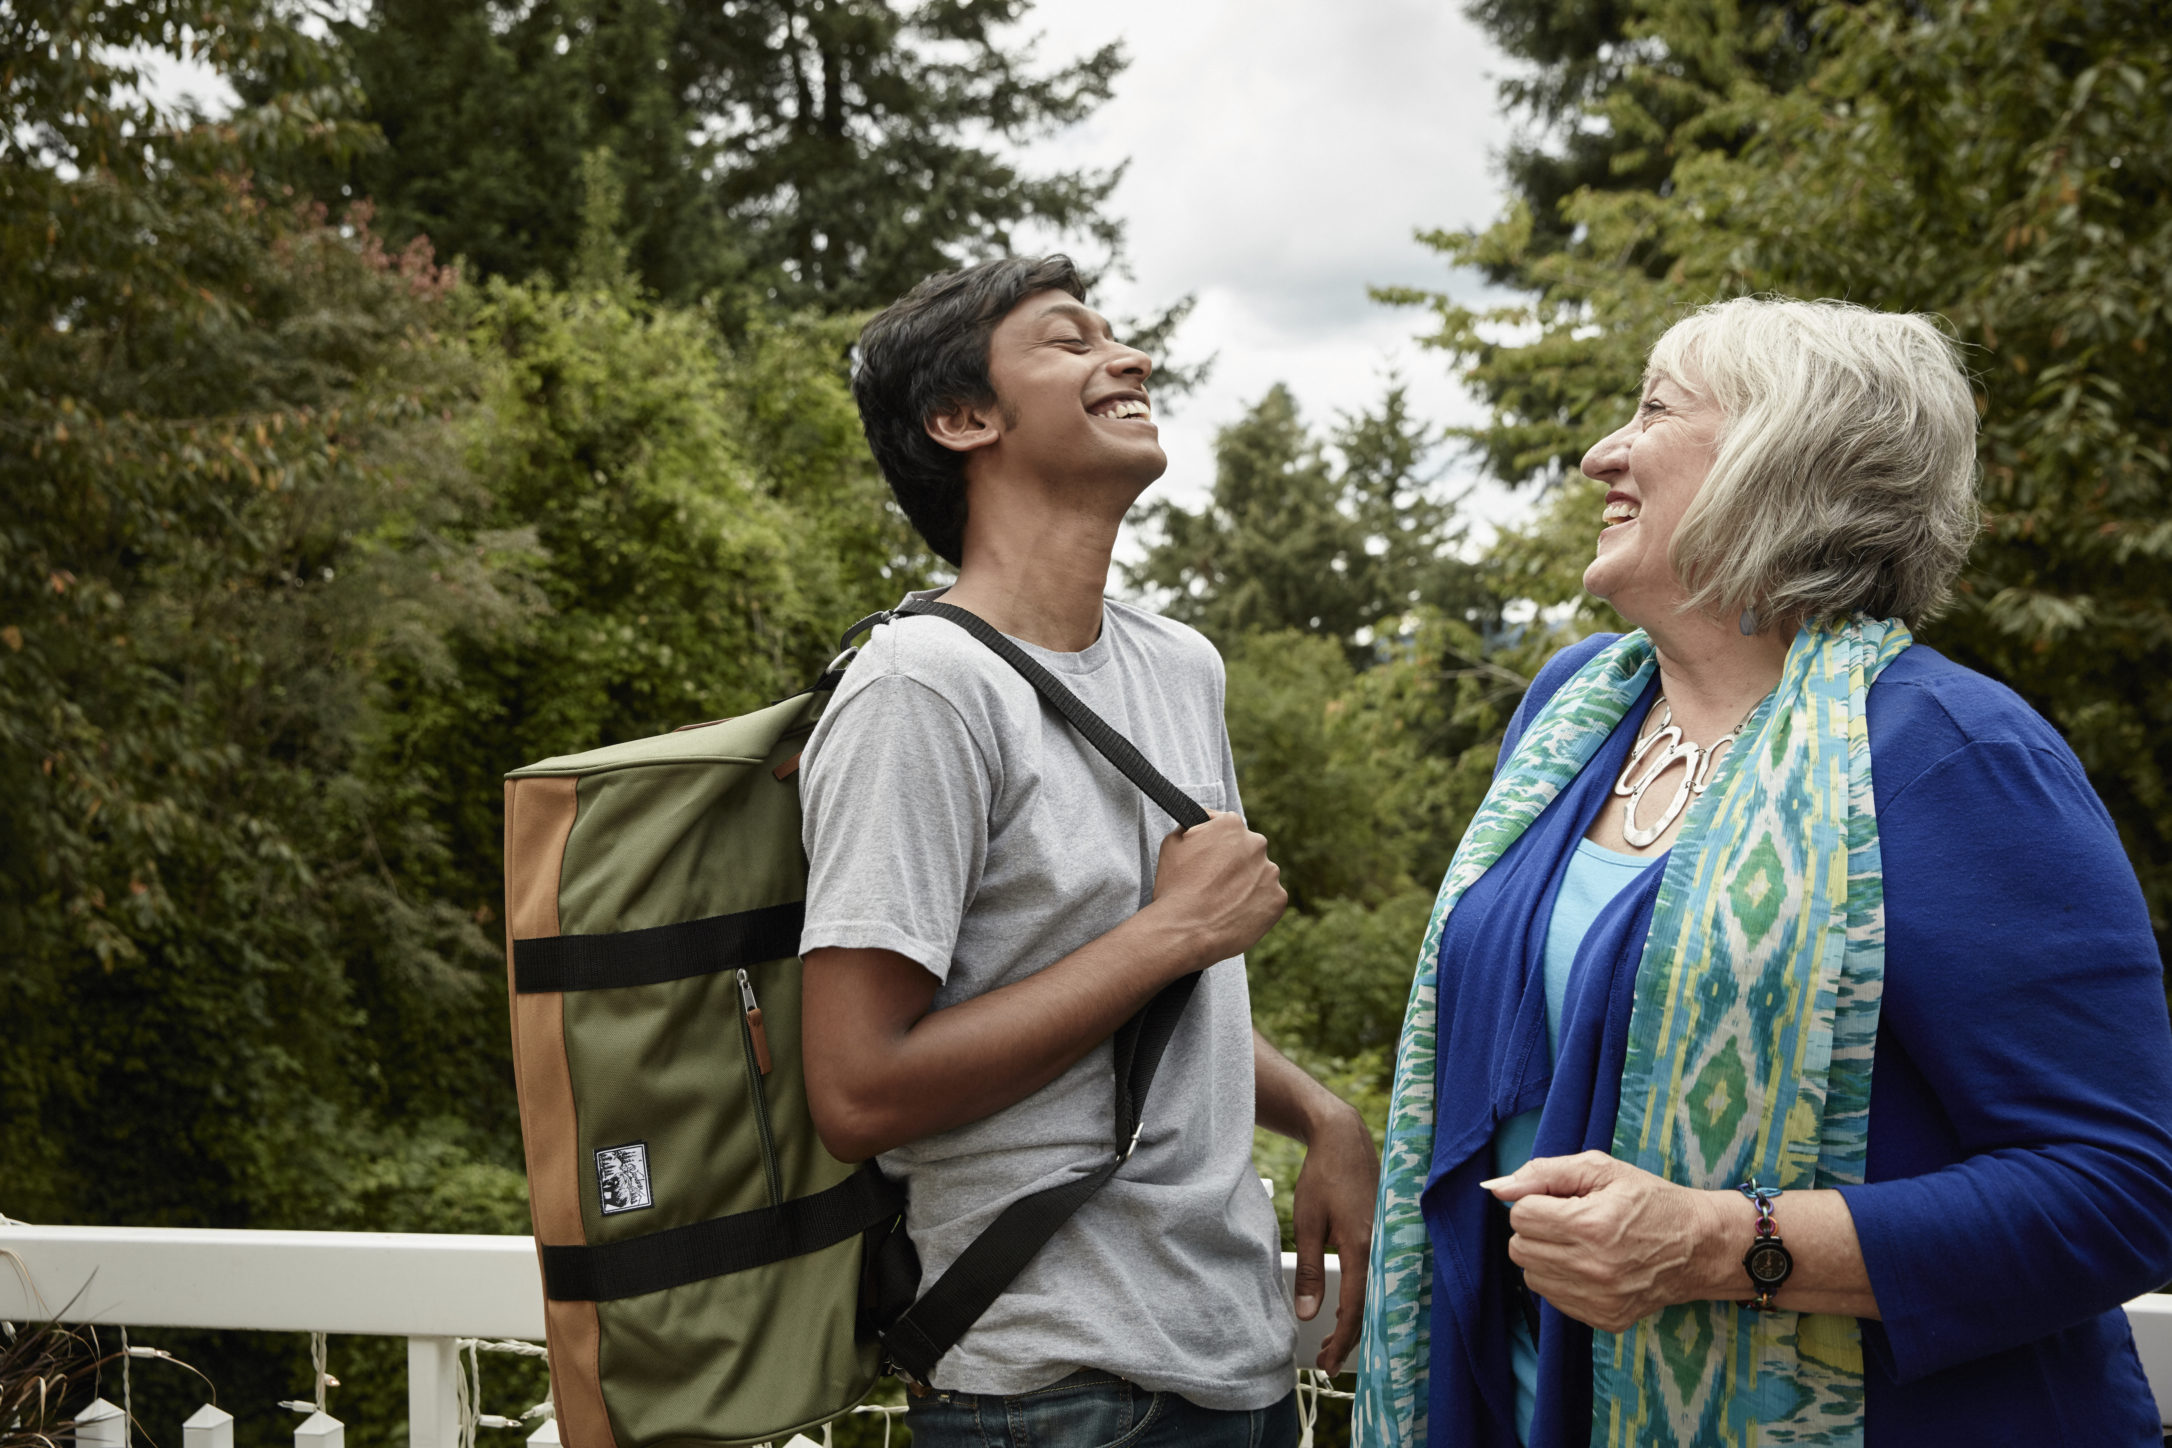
(2028, 1137)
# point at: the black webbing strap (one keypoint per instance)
(917, 1341)
(679, 1255)
(659, 953)
(1138, 1046)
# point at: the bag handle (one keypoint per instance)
(932, 1326)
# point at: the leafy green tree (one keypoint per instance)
(306, 543)
(1335, 535)
(1362, 780)
(306, 550)
(1344, 783)
(828, 153)
(231, 466)
(2003, 165)
(706, 518)
(213, 405)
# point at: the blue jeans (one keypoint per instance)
(1092, 1409)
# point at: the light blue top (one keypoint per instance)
(1594, 877)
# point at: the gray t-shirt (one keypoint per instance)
(954, 818)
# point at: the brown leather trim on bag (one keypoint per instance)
(538, 818)
(576, 1342)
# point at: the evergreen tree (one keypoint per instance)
(1333, 535)
(2004, 165)
(851, 136)
(1617, 95)
(484, 113)
(1607, 90)
(829, 153)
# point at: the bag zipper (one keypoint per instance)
(756, 1040)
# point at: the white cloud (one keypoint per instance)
(1282, 154)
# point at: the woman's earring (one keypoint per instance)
(1748, 624)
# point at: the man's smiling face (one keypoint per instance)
(1070, 399)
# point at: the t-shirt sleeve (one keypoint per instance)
(2023, 986)
(1232, 801)
(896, 795)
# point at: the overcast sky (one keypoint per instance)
(1282, 154)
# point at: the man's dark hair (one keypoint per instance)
(927, 352)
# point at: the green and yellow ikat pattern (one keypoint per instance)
(1755, 1016)
(1750, 1043)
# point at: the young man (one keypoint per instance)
(989, 900)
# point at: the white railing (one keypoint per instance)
(433, 1291)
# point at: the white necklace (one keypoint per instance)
(1696, 761)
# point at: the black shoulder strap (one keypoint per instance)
(917, 1341)
(1113, 747)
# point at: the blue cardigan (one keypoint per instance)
(2019, 1184)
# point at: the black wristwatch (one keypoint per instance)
(1768, 1261)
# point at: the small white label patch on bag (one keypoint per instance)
(622, 1178)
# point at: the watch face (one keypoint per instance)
(1770, 1263)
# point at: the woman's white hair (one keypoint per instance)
(1845, 478)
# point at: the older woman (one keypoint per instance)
(1790, 984)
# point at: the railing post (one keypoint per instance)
(433, 1392)
(101, 1425)
(208, 1427)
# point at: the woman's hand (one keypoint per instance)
(1606, 1242)
(1609, 1243)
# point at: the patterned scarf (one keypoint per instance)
(1750, 1039)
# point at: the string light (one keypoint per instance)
(324, 1380)
(468, 1384)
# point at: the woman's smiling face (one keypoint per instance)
(1653, 467)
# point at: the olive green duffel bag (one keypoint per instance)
(711, 1274)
